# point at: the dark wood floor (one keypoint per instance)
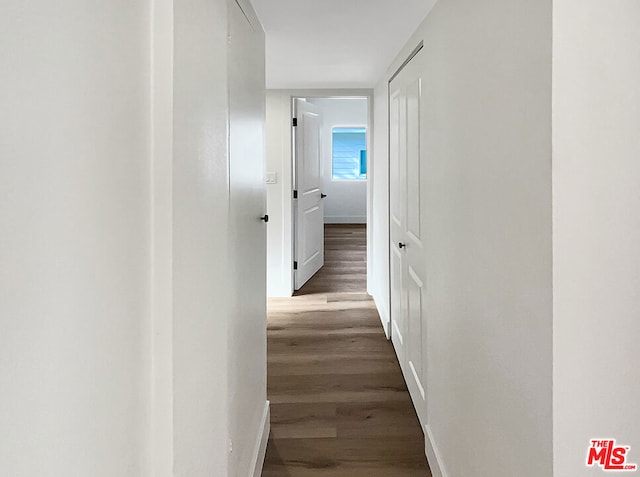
(339, 404)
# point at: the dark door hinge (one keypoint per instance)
(295, 265)
(294, 122)
(295, 194)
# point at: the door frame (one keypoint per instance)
(289, 216)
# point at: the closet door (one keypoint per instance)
(407, 253)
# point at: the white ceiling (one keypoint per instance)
(335, 43)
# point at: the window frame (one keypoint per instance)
(366, 144)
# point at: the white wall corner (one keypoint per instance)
(433, 456)
(384, 316)
(261, 442)
(370, 189)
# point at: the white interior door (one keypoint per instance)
(308, 203)
(247, 233)
(407, 223)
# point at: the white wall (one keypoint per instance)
(247, 330)
(379, 222)
(279, 196)
(115, 299)
(346, 201)
(74, 238)
(487, 90)
(200, 201)
(161, 455)
(596, 177)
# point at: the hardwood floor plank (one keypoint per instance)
(346, 457)
(359, 364)
(323, 343)
(304, 421)
(336, 388)
(375, 419)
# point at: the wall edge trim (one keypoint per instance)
(433, 455)
(340, 219)
(260, 449)
(384, 318)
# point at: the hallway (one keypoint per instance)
(339, 404)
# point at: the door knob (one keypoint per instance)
(322, 196)
(402, 245)
(265, 218)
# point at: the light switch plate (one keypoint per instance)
(271, 177)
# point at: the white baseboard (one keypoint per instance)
(261, 444)
(384, 317)
(345, 220)
(433, 456)
(279, 293)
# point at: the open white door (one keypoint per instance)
(308, 205)
(408, 226)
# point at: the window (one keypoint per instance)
(349, 154)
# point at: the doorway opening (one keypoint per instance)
(330, 144)
(284, 190)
